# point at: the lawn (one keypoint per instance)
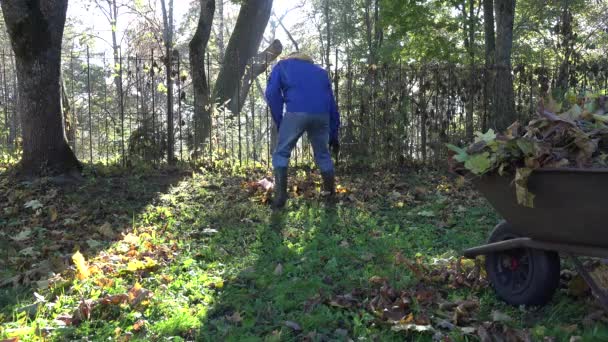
(198, 255)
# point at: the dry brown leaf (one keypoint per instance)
(235, 317)
(137, 326)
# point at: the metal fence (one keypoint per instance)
(390, 114)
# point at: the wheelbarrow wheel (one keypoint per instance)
(522, 276)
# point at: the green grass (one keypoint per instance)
(228, 269)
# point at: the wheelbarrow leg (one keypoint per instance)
(599, 293)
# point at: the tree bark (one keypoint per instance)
(567, 44)
(259, 64)
(70, 120)
(198, 48)
(243, 44)
(220, 35)
(36, 30)
(504, 97)
(368, 33)
(490, 48)
(328, 36)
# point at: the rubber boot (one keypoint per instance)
(280, 188)
(329, 186)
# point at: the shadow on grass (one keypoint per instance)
(308, 254)
(86, 216)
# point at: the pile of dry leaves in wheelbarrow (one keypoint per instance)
(575, 138)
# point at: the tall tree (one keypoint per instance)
(243, 44)
(258, 65)
(198, 48)
(490, 48)
(36, 28)
(504, 97)
(168, 40)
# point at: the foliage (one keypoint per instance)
(573, 138)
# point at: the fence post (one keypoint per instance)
(105, 109)
(89, 106)
(179, 105)
(268, 128)
(122, 112)
(238, 114)
(75, 116)
(153, 89)
(4, 99)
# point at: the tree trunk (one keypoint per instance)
(490, 48)
(368, 33)
(469, 40)
(36, 31)
(378, 34)
(198, 48)
(220, 35)
(567, 44)
(328, 36)
(504, 97)
(168, 39)
(259, 64)
(244, 43)
(68, 116)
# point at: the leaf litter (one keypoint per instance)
(575, 138)
(425, 308)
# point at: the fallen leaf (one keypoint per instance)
(498, 316)
(293, 325)
(377, 280)
(266, 184)
(341, 332)
(210, 231)
(115, 299)
(81, 266)
(106, 230)
(412, 327)
(23, 235)
(137, 326)
(343, 301)
(468, 330)
(93, 243)
(578, 286)
(426, 213)
(443, 324)
(569, 329)
(33, 204)
(279, 269)
(234, 318)
(12, 339)
(53, 213)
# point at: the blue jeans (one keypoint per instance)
(292, 127)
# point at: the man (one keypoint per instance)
(305, 90)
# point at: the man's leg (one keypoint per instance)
(292, 128)
(318, 132)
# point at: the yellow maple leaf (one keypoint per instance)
(81, 266)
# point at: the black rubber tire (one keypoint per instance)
(532, 276)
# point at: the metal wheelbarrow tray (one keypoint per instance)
(569, 217)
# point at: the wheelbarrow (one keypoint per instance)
(569, 218)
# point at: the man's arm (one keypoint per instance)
(274, 95)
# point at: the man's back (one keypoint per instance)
(306, 86)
